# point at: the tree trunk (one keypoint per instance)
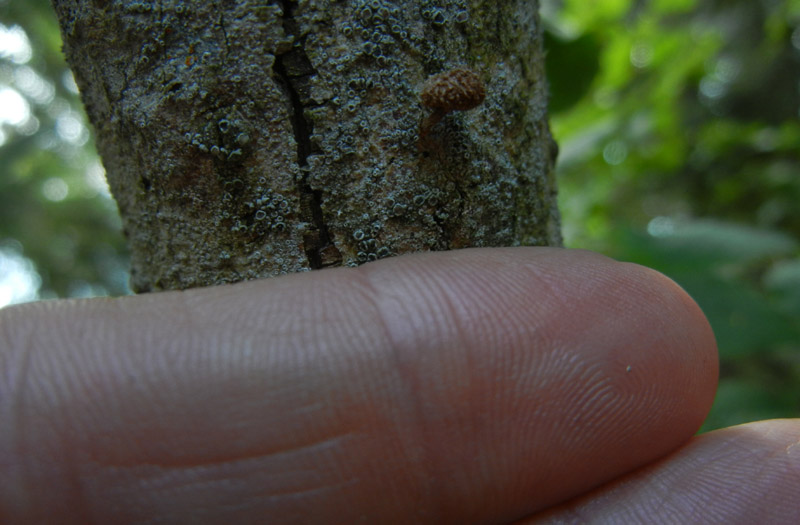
(244, 139)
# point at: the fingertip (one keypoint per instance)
(673, 311)
(589, 367)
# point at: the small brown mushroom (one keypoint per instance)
(459, 89)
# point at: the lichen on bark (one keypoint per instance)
(245, 139)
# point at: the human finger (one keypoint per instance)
(743, 474)
(477, 385)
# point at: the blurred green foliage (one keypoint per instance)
(679, 128)
(680, 150)
(55, 212)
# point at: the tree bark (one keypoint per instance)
(245, 139)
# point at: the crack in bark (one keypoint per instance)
(223, 29)
(293, 68)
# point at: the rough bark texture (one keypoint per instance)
(245, 139)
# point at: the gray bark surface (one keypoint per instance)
(245, 139)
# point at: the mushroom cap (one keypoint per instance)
(458, 89)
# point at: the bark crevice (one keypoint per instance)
(294, 71)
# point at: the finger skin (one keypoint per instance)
(470, 386)
(740, 475)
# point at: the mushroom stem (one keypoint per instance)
(430, 121)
